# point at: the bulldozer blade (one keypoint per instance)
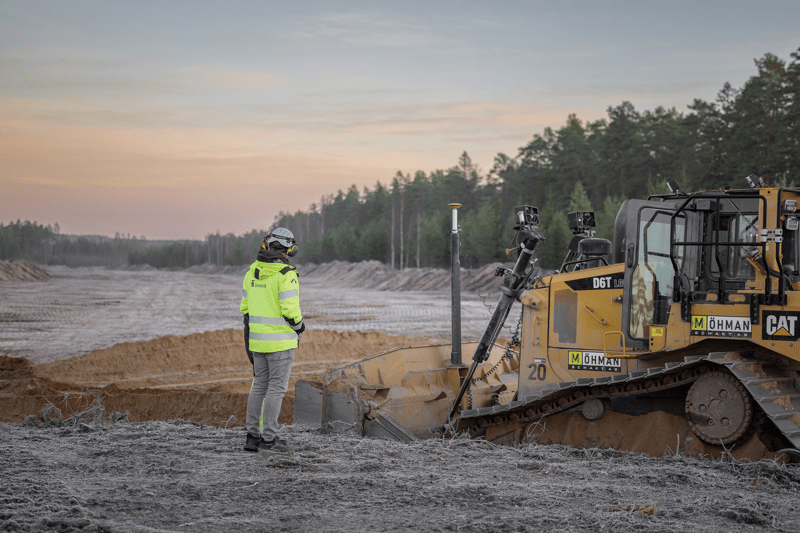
(308, 404)
(402, 393)
(324, 409)
(341, 412)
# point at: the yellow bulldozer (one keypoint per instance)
(694, 308)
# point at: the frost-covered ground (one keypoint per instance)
(161, 476)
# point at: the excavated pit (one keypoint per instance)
(203, 377)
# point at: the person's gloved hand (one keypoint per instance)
(246, 318)
(300, 331)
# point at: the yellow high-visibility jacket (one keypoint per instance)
(271, 296)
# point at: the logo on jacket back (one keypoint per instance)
(260, 285)
(779, 326)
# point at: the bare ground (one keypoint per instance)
(204, 377)
(148, 474)
(79, 310)
(179, 476)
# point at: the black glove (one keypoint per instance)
(247, 338)
(300, 332)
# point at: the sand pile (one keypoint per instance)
(22, 270)
(204, 377)
(369, 275)
(205, 268)
(376, 275)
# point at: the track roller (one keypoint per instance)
(593, 409)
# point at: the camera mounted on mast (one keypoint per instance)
(582, 223)
(585, 251)
(527, 219)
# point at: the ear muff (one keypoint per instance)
(291, 252)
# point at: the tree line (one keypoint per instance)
(215, 249)
(579, 166)
(45, 245)
(582, 165)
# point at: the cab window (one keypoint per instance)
(654, 273)
(790, 249)
(730, 261)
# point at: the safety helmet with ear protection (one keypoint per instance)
(281, 239)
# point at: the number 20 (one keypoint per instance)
(539, 372)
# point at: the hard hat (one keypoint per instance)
(283, 238)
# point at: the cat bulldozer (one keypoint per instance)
(694, 309)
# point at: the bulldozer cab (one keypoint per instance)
(706, 248)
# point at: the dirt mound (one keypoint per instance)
(204, 377)
(207, 359)
(367, 274)
(376, 275)
(204, 268)
(22, 270)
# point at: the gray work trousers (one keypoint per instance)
(270, 383)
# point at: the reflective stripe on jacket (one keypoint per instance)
(271, 296)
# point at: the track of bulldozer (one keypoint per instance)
(772, 389)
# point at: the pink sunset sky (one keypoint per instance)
(177, 119)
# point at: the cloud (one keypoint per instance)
(248, 80)
(369, 30)
(85, 76)
(650, 95)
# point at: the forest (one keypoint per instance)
(45, 245)
(405, 223)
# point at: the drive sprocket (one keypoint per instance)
(719, 408)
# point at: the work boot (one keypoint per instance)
(252, 443)
(277, 445)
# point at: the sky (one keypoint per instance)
(178, 119)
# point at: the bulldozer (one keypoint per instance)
(693, 309)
